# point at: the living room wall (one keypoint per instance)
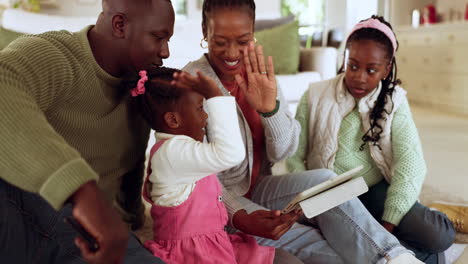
(72, 8)
(266, 8)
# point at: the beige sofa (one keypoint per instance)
(316, 64)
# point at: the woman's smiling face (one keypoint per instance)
(228, 31)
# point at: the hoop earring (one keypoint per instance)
(255, 40)
(201, 43)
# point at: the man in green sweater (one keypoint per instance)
(71, 144)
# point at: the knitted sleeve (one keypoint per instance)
(410, 167)
(297, 162)
(33, 76)
(281, 132)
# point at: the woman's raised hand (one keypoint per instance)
(200, 83)
(260, 89)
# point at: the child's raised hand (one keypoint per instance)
(260, 89)
(200, 83)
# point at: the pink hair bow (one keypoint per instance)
(140, 88)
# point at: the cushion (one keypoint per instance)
(320, 59)
(282, 43)
(262, 24)
(7, 36)
(294, 86)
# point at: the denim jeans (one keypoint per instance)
(344, 234)
(425, 231)
(32, 232)
(284, 257)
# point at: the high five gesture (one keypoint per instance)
(260, 87)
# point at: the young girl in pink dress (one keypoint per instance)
(182, 186)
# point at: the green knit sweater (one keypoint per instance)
(64, 122)
(410, 167)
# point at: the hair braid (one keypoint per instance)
(379, 111)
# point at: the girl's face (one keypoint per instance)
(367, 65)
(228, 31)
(194, 117)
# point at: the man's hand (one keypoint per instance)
(268, 224)
(95, 213)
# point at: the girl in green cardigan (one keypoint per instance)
(362, 116)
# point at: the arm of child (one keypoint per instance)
(297, 162)
(410, 167)
(192, 160)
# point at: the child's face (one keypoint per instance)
(228, 31)
(367, 65)
(193, 115)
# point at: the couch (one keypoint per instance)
(316, 64)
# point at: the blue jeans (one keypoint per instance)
(32, 232)
(344, 234)
(424, 231)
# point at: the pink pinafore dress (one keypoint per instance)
(193, 232)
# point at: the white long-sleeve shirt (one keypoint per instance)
(281, 141)
(181, 160)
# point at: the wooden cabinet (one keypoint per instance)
(433, 65)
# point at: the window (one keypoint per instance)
(180, 7)
(310, 13)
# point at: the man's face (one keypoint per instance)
(147, 35)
